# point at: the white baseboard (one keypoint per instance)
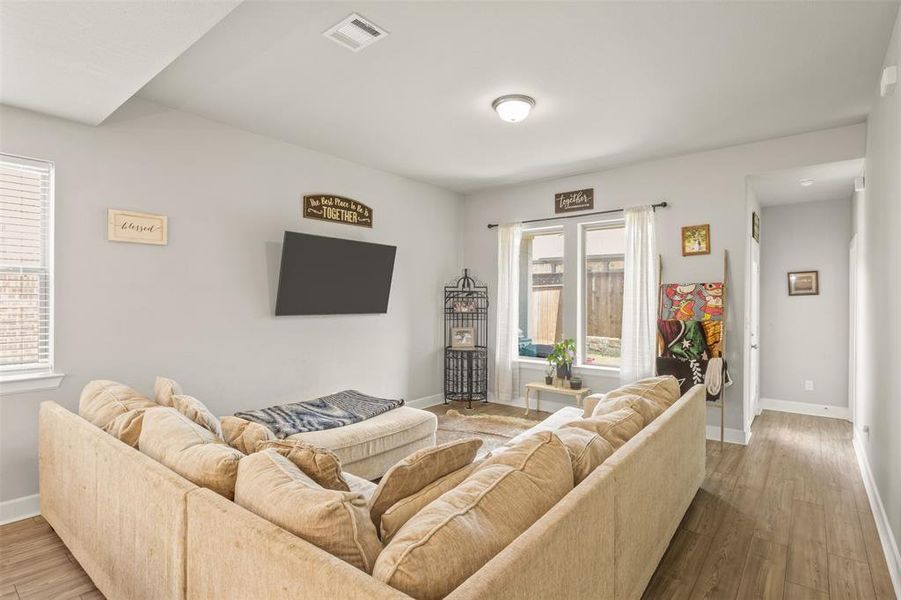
(889, 544)
(805, 408)
(20, 508)
(731, 436)
(426, 401)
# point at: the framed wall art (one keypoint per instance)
(804, 283)
(695, 240)
(136, 227)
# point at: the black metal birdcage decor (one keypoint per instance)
(466, 340)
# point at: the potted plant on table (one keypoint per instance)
(562, 357)
(549, 374)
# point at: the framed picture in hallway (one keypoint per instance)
(804, 283)
(695, 240)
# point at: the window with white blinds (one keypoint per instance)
(26, 265)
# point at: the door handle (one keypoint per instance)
(753, 346)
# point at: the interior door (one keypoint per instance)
(754, 330)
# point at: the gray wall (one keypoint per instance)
(704, 187)
(805, 337)
(200, 310)
(878, 222)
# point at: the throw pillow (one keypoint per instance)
(587, 450)
(617, 427)
(195, 410)
(272, 487)
(319, 464)
(418, 470)
(164, 389)
(244, 435)
(190, 450)
(648, 409)
(663, 390)
(404, 509)
(115, 408)
(451, 538)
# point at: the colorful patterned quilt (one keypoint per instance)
(691, 301)
(688, 373)
(689, 340)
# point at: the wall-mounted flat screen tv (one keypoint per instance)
(330, 276)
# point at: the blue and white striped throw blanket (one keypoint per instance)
(337, 410)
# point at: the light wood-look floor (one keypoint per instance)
(785, 517)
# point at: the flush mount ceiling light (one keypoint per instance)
(806, 182)
(513, 108)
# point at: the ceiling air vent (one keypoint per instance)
(355, 33)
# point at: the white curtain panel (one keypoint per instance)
(639, 296)
(506, 348)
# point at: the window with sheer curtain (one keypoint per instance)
(26, 266)
(540, 292)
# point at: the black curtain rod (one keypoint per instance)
(591, 214)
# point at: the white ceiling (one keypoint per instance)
(615, 82)
(81, 60)
(832, 181)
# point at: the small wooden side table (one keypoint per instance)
(563, 388)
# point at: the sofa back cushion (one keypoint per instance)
(190, 450)
(115, 408)
(244, 435)
(617, 427)
(197, 411)
(418, 470)
(451, 538)
(403, 510)
(163, 390)
(587, 450)
(272, 487)
(648, 409)
(319, 464)
(663, 390)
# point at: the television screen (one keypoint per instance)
(330, 276)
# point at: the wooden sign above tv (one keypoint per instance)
(337, 209)
(575, 200)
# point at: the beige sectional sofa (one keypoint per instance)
(141, 531)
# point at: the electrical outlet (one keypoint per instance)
(808, 385)
(866, 431)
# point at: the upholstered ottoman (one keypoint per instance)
(369, 448)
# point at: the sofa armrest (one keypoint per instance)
(590, 402)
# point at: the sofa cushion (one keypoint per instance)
(587, 450)
(617, 427)
(197, 411)
(404, 509)
(272, 487)
(451, 538)
(163, 390)
(380, 434)
(419, 470)
(190, 450)
(244, 435)
(663, 390)
(319, 464)
(552, 423)
(115, 408)
(648, 409)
